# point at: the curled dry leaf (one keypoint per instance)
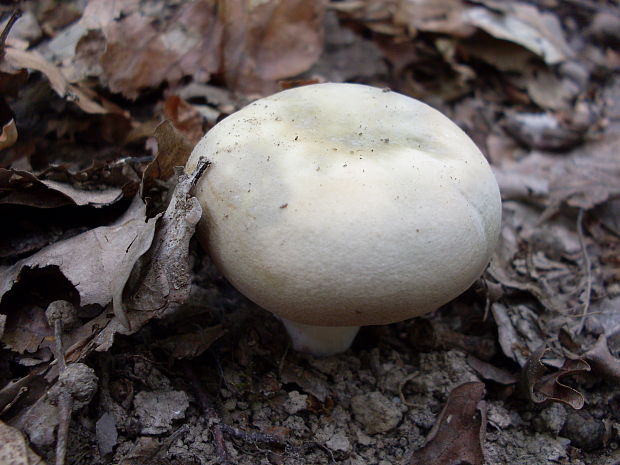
(162, 281)
(458, 434)
(90, 261)
(24, 188)
(58, 82)
(167, 278)
(541, 388)
(525, 25)
(14, 449)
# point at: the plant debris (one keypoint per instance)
(153, 357)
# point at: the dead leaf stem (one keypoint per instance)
(587, 265)
(15, 15)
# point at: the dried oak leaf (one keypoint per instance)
(136, 56)
(14, 449)
(264, 42)
(457, 436)
(541, 388)
(91, 261)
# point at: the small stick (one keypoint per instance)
(588, 271)
(219, 428)
(209, 409)
(15, 15)
(56, 312)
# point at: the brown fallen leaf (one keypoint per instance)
(192, 344)
(161, 280)
(523, 24)
(58, 82)
(24, 188)
(173, 149)
(602, 361)
(14, 449)
(541, 388)
(268, 41)
(185, 117)
(491, 372)
(91, 260)
(252, 45)
(458, 434)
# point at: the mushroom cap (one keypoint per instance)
(346, 205)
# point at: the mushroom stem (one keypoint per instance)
(320, 341)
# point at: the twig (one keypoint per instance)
(209, 409)
(219, 428)
(588, 271)
(65, 407)
(56, 313)
(252, 436)
(15, 15)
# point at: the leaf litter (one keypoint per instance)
(100, 103)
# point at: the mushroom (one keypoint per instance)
(335, 206)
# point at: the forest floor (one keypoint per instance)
(166, 363)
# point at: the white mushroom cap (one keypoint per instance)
(346, 205)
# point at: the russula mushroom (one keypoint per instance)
(335, 206)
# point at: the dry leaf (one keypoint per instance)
(601, 360)
(458, 434)
(252, 44)
(541, 388)
(491, 372)
(24, 188)
(26, 330)
(166, 281)
(525, 25)
(14, 449)
(518, 330)
(136, 56)
(173, 149)
(268, 41)
(58, 82)
(185, 117)
(442, 16)
(91, 260)
(162, 281)
(191, 345)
